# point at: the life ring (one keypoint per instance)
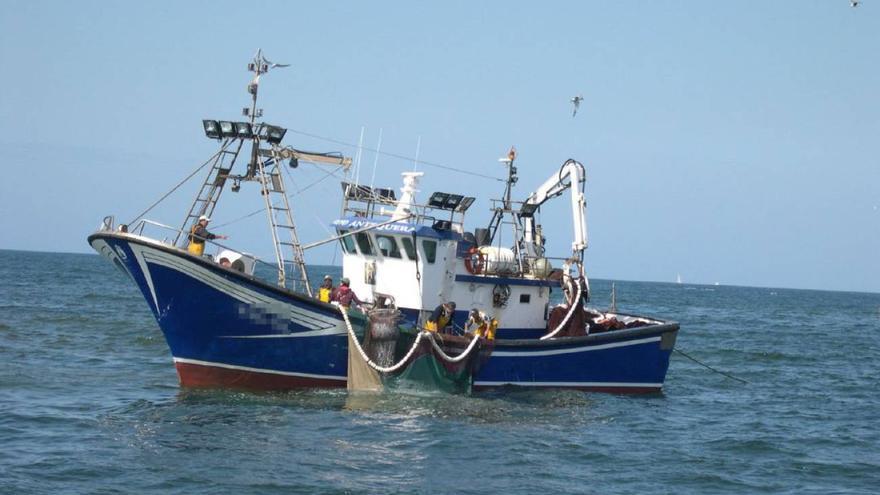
(474, 261)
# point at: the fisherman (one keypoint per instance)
(225, 263)
(326, 289)
(440, 317)
(344, 295)
(198, 234)
(483, 325)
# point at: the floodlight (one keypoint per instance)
(385, 194)
(449, 201)
(357, 192)
(212, 129)
(227, 129)
(452, 201)
(441, 225)
(244, 130)
(528, 210)
(275, 134)
(437, 200)
(465, 204)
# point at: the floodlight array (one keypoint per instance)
(224, 129)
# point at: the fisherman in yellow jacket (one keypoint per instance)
(440, 317)
(326, 289)
(198, 234)
(483, 325)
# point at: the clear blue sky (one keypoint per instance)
(731, 142)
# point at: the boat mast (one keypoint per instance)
(498, 214)
(265, 167)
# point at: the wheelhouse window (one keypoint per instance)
(409, 247)
(387, 246)
(364, 244)
(430, 248)
(347, 242)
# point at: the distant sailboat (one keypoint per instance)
(678, 278)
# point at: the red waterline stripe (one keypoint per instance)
(201, 376)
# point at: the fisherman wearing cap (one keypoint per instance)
(326, 289)
(344, 295)
(440, 317)
(198, 234)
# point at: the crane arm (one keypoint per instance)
(331, 159)
(570, 175)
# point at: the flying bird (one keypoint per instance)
(260, 60)
(272, 65)
(853, 3)
(576, 100)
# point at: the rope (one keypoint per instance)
(188, 177)
(409, 354)
(395, 155)
(574, 304)
(363, 354)
(709, 367)
(458, 358)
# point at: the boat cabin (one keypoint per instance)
(421, 254)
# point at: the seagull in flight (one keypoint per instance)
(576, 100)
(272, 65)
(853, 3)
(260, 60)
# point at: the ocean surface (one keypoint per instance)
(89, 403)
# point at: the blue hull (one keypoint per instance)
(228, 329)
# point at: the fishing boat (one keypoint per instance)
(228, 325)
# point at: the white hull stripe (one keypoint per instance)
(310, 333)
(256, 370)
(307, 319)
(570, 384)
(554, 352)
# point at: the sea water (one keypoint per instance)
(90, 403)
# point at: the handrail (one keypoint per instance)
(142, 223)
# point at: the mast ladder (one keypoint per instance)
(281, 219)
(209, 194)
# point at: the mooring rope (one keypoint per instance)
(574, 304)
(709, 367)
